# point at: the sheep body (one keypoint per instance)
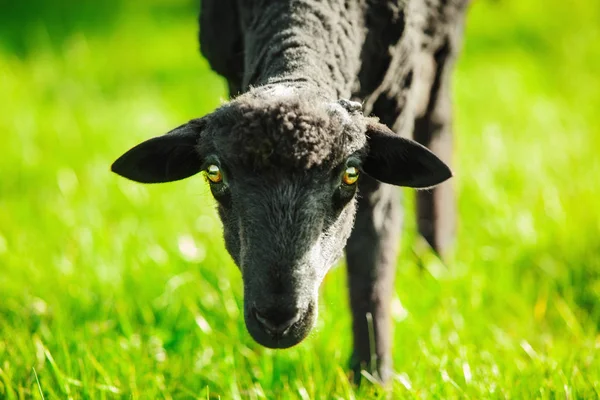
(394, 57)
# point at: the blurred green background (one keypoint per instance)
(110, 289)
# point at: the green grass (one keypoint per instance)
(110, 289)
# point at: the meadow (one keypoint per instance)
(111, 289)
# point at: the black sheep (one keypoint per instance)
(299, 172)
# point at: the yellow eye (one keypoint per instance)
(213, 173)
(350, 176)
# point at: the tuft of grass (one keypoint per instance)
(111, 289)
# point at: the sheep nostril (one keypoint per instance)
(276, 323)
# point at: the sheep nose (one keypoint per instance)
(276, 322)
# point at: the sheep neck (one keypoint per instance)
(303, 44)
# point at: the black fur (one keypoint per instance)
(284, 143)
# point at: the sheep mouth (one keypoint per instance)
(291, 336)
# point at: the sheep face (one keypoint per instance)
(284, 231)
(285, 173)
(286, 197)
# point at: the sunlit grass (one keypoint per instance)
(109, 289)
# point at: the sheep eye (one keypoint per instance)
(213, 173)
(350, 176)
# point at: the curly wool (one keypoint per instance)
(287, 132)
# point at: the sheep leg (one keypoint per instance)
(436, 217)
(371, 259)
(436, 208)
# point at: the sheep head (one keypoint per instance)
(285, 171)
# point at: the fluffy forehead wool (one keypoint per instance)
(275, 131)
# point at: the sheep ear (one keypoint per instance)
(402, 162)
(166, 158)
